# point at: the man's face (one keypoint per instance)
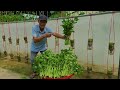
(42, 23)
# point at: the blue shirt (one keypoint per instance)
(36, 32)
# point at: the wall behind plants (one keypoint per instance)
(100, 27)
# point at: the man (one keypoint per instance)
(40, 33)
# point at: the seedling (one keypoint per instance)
(90, 44)
(3, 37)
(11, 55)
(111, 48)
(5, 53)
(19, 58)
(25, 39)
(26, 58)
(17, 41)
(89, 69)
(10, 40)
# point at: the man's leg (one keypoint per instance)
(33, 55)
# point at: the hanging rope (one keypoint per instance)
(17, 43)
(56, 39)
(111, 48)
(26, 42)
(10, 41)
(4, 39)
(90, 43)
(73, 42)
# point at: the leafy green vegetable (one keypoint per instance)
(54, 65)
(68, 25)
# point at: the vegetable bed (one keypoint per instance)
(57, 66)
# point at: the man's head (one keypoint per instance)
(42, 21)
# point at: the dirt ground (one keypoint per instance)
(12, 69)
(7, 74)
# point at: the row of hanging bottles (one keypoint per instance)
(4, 40)
(111, 48)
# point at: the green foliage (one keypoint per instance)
(57, 65)
(68, 25)
(14, 17)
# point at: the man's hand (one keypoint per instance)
(47, 35)
(66, 37)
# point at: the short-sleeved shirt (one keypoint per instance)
(36, 32)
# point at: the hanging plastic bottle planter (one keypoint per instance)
(3, 37)
(26, 58)
(17, 41)
(10, 40)
(25, 39)
(19, 58)
(111, 48)
(5, 53)
(72, 44)
(89, 69)
(109, 74)
(11, 55)
(90, 43)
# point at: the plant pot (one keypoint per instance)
(89, 69)
(64, 77)
(90, 44)
(5, 53)
(111, 47)
(10, 40)
(11, 55)
(19, 58)
(3, 37)
(26, 58)
(17, 41)
(25, 39)
(109, 74)
(72, 43)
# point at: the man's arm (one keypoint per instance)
(38, 39)
(58, 35)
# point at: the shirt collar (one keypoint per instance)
(40, 30)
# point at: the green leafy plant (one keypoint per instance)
(54, 65)
(10, 17)
(68, 25)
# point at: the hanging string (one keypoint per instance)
(17, 42)
(111, 28)
(10, 41)
(4, 41)
(26, 41)
(90, 28)
(114, 40)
